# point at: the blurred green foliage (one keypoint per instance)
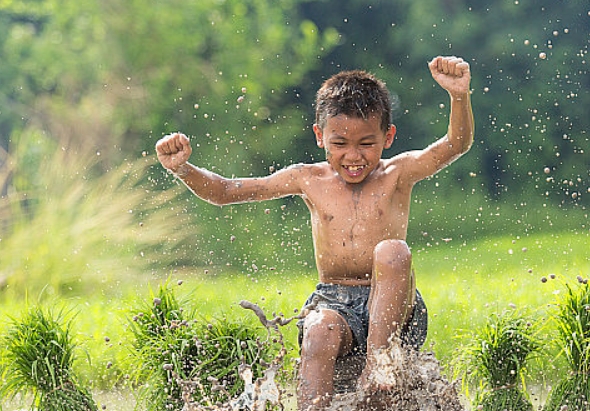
(104, 79)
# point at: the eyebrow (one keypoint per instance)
(364, 138)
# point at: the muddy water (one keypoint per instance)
(413, 381)
(401, 380)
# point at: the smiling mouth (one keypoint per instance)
(354, 170)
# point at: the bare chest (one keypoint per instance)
(359, 214)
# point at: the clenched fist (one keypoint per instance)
(173, 151)
(451, 73)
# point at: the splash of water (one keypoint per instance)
(413, 379)
(414, 383)
(258, 394)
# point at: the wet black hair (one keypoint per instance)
(354, 93)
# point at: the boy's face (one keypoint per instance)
(353, 145)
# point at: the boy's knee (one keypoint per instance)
(392, 253)
(324, 334)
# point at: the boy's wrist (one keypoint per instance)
(459, 96)
(180, 171)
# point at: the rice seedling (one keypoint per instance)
(171, 346)
(493, 360)
(38, 360)
(572, 319)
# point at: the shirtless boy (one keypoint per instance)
(359, 205)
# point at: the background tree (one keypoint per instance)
(113, 77)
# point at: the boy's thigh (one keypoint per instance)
(349, 303)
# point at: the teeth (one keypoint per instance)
(354, 168)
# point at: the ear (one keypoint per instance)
(389, 136)
(319, 135)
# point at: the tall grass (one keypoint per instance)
(68, 225)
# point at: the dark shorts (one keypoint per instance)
(351, 302)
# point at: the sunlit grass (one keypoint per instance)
(67, 224)
(463, 284)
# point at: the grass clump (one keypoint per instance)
(171, 347)
(572, 320)
(493, 360)
(69, 223)
(37, 360)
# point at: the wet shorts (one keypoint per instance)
(351, 302)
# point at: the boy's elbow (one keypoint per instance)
(216, 202)
(214, 197)
(220, 199)
(223, 192)
(466, 146)
(460, 146)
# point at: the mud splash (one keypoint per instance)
(257, 395)
(414, 378)
(415, 382)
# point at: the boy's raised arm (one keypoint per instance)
(173, 152)
(453, 75)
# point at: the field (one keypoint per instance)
(462, 283)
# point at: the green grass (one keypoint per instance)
(493, 360)
(462, 284)
(37, 359)
(572, 321)
(61, 231)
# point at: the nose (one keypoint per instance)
(353, 154)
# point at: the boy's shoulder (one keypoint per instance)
(401, 160)
(312, 169)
